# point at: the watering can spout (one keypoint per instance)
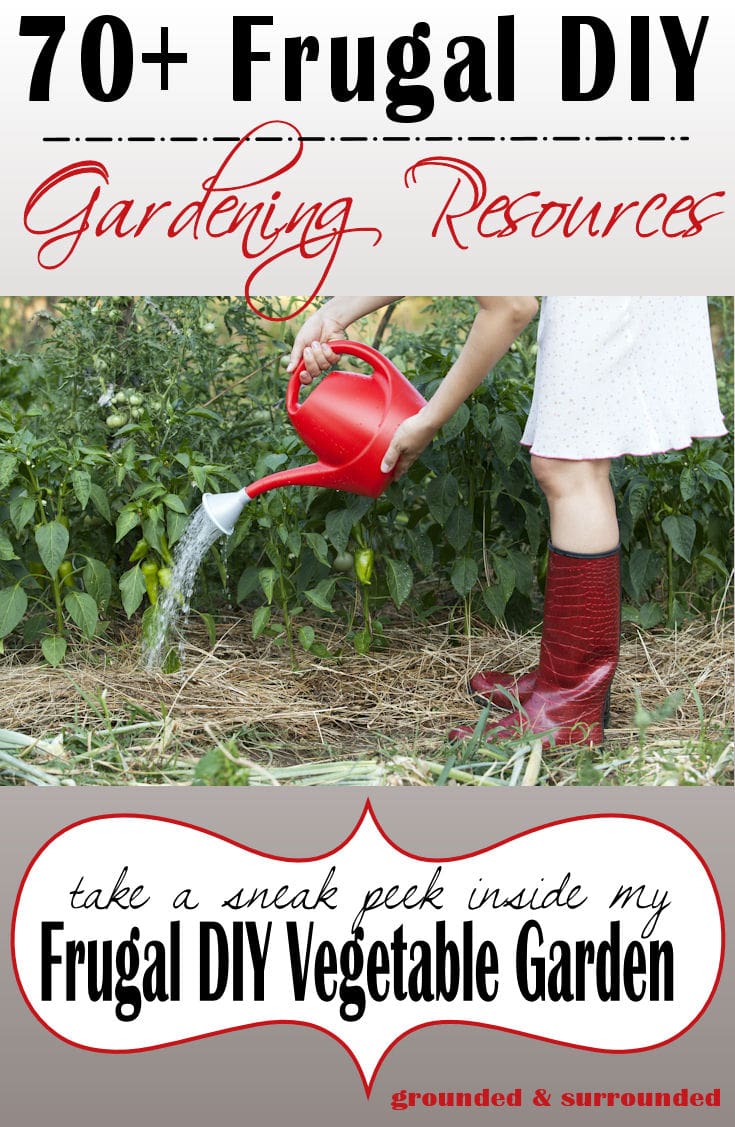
(223, 509)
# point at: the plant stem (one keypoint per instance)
(57, 602)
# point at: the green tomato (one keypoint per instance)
(135, 400)
(115, 421)
(343, 561)
(208, 327)
(65, 571)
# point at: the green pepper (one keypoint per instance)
(139, 551)
(364, 561)
(150, 574)
(164, 577)
(65, 569)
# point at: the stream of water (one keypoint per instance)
(198, 537)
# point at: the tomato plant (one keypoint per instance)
(117, 413)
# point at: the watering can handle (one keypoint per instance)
(355, 348)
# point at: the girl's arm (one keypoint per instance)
(497, 324)
(327, 323)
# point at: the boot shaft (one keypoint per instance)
(580, 638)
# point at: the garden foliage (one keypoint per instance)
(116, 418)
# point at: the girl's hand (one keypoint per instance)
(311, 344)
(410, 439)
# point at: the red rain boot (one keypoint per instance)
(580, 641)
(501, 690)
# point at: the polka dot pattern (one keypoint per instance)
(622, 375)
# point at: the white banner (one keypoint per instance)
(135, 932)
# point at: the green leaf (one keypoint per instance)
(200, 477)
(687, 483)
(643, 570)
(171, 501)
(638, 493)
(442, 495)
(649, 615)
(458, 528)
(52, 540)
(83, 610)
(454, 426)
(13, 604)
(307, 635)
(464, 575)
(523, 569)
(715, 470)
(363, 641)
(715, 563)
(321, 595)
(53, 648)
(97, 582)
(8, 465)
(318, 545)
(208, 620)
(21, 510)
(152, 526)
(128, 519)
(338, 525)
(505, 435)
(132, 589)
(175, 525)
(81, 483)
(533, 527)
(680, 531)
(495, 600)
(267, 577)
(422, 548)
(98, 498)
(6, 548)
(506, 574)
(261, 618)
(247, 583)
(481, 419)
(357, 506)
(400, 580)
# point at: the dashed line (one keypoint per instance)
(562, 138)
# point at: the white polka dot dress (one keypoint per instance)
(622, 375)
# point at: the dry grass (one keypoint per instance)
(397, 703)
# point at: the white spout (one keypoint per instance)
(223, 509)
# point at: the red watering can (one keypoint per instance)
(348, 419)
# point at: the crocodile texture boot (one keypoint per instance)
(501, 690)
(567, 700)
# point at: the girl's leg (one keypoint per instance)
(565, 697)
(581, 504)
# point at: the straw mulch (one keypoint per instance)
(402, 698)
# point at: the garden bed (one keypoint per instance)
(239, 713)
